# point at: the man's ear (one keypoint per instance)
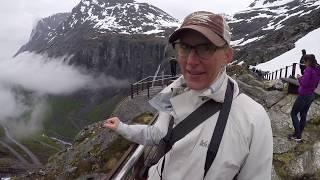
(228, 53)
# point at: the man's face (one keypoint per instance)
(198, 72)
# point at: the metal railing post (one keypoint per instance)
(148, 87)
(137, 85)
(293, 74)
(276, 74)
(131, 91)
(286, 73)
(162, 76)
(280, 73)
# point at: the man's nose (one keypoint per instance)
(193, 57)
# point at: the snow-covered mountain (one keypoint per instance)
(310, 43)
(127, 38)
(122, 38)
(269, 28)
(103, 16)
(120, 16)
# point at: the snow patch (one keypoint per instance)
(310, 43)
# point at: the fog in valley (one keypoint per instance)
(27, 80)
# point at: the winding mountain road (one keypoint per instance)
(15, 153)
(33, 158)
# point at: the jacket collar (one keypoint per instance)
(172, 97)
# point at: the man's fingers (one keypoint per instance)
(111, 123)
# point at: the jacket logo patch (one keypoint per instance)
(204, 143)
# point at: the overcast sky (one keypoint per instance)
(19, 16)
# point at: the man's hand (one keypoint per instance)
(298, 76)
(112, 123)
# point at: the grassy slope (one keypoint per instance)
(65, 117)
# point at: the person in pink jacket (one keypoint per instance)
(307, 84)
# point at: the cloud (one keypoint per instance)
(45, 75)
(11, 104)
(24, 128)
(41, 76)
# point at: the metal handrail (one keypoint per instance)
(151, 77)
(164, 80)
(131, 162)
(169, 78)
(274, 75)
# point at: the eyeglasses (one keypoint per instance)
(204, 51)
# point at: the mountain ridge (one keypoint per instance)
(259, 33)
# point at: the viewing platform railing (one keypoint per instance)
(282, 73)
(149, 82)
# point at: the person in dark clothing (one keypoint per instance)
(307, 84)
(173, 66)
(302, 66)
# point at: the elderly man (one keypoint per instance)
(232, 138)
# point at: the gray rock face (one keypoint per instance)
(292, 160)
(316, 156)
(255, 90)
(275, 85)
(282, 145)
(129, 108)
(274, 175)
(300, 165)
(250, 80)
(306, 163)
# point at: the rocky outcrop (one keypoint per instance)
(255, 89)
(292, 160)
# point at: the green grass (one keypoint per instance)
(56, 122)
(103, 109)
(2, 134)
(42, 146)
(114, 152)
(62, 119)
(143, 118)
(66, 116)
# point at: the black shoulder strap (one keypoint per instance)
(219, 128)
(206, 110)
(198, 116)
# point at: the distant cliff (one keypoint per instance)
(124, 38)
(129, 39)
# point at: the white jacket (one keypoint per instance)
(246, 146)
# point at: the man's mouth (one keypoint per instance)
(195, 73)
